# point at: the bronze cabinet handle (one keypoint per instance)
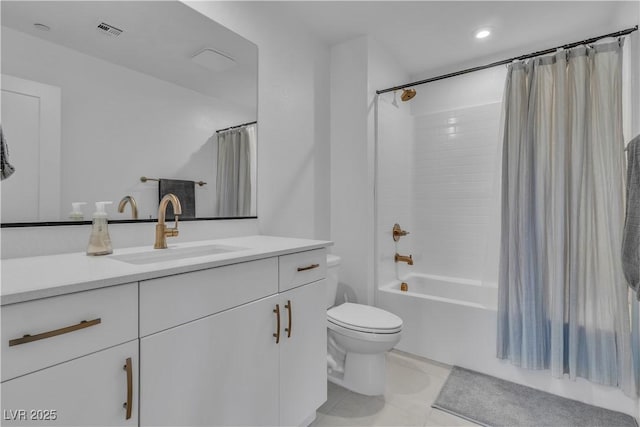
(30, 338)
(290, 312)
(128, 405)
(310, 267)
(277, 333)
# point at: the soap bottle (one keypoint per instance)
(100, 242)
(76, 214)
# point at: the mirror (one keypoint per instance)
(99, 94)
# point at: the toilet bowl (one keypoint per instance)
(358, 338)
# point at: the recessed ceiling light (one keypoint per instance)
(483, 33)
(41, 27)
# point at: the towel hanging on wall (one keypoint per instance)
(631, 234)
(184, 191)
(7, 168)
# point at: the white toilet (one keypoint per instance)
(358, 338)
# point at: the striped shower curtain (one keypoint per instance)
(233, 178)
(563, 300)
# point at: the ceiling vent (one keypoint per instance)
(108, 30)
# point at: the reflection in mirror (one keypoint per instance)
(97, 94)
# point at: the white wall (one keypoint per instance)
(293, 115)
(468, 90)
(358, 68)
(293, 141)
(395, 146)
(351, 194)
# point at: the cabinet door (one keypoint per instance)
(219, 370)
(303, 355)
(87, 391)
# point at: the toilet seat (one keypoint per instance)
(371, 337)
(364, 318)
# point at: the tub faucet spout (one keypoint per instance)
(403, 258)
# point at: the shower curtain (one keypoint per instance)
(563, 301)
(233, 180)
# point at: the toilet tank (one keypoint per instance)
(333, 264)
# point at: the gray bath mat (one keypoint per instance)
(493, 402)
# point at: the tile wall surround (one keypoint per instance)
(455, 173)
(438, 177)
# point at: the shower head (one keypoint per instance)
(407, 94)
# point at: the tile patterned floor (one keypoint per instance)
(413, 384)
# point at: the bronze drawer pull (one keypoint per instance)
(311, 267)
(289, 310)
(30, 338)
(277, 333)
(128, 405)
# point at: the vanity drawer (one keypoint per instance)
(65, 327)
(302, 268)
(174, 300)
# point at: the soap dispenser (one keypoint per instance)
(76, 214)
(100, 242)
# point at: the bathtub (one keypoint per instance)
(454, 321)
(445, 319)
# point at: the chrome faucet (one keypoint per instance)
(132, 202)
(162, 231)
(403, 258)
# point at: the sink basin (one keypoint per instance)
(171, 254)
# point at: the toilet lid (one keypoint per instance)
(364, 317)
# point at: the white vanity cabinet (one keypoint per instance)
(206, 347)
(72, 360)
(94, 390)
(303, 350)
(216, 342)
(303, 353)
(261, 363)
(218, 371)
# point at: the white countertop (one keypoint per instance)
(30, 278)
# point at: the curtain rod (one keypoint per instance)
(238, 126)
(507, 61)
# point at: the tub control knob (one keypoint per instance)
(398, 232)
